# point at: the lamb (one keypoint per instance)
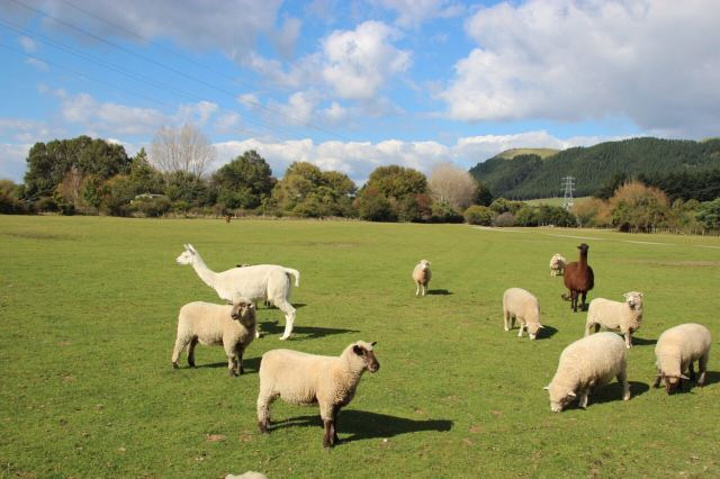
(676, 351)
(521, 305)
(261, 281)
(307, 379)
(579, 279)
(623, 316)
(557, 265)
(422, 275)
(232, 326)
(586, 364)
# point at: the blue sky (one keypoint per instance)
(352, 85)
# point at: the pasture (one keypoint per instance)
(89, 311)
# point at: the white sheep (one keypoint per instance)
(588, 363)
(307, 379)
(676, 351)
(521, 305)
(623, 316)
(232, 326)
(422, 275)
(261, 281)
(557, 265)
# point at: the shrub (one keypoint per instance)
(505, 219)
(479, 215)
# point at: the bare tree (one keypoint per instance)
(452, 185)
(187, 150)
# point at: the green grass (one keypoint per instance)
(557, 201)
(88, 309)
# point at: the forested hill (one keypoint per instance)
(528, 176)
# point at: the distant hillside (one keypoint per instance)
(513, 152)
(528, 175)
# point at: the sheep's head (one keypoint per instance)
(634, 299)
(533, 329)
(187, 256)
(672, 382)
(424, 264)
(559, 398)
(365, 352)
(243, 310)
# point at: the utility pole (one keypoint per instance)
(568, 188)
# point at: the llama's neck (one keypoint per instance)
(583, 259)
(206, 274)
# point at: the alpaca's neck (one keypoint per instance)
(583, 259)
(206, 274)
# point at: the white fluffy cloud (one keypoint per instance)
(358, 63)
(656, 62)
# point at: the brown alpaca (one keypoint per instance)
(579, 279)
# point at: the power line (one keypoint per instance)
(174, 70)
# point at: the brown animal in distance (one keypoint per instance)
(579, 279)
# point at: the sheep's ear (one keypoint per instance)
(682, 376)
(541, 327)
(358, 350)
(373, 343)
(572, 394)
(547, 388)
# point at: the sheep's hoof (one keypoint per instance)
(263, 426)
(175, 365)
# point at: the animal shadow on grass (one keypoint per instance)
(301, 332)
(643, 342)
(614, 392)
(546, 332)
(250, 365)
(691, 385)
(438, 292)
(264, 305)
(368, 425)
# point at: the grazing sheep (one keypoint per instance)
(557, 265)
(261, 281)
(307, 379)
(623, 316)
(586, 364)
(676, 351)
(422, 275)
(232, 326)
(523, 306)
(579, 279)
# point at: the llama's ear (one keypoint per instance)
(186, 247)
(191, 249)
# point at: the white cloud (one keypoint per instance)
(38, 64)
(358, 63)
(13, 161)
(228, 123)
(656, 62)
(28, 44)
(412, 13)
(287, 36)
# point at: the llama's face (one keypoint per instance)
(186, 257)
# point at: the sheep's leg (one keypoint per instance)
(588, 328)
(417, 288)
(691, 368)
(506, 320)
(289, 311)
(239, 351)
(424, 289)
(336, 439)
(584, 398)
(328, 413)
(622, 379)
(656, 384)
(231, 353)
(180, 344)
(265, 400)
(191, 351)
(628, 339)
(702, 367)
(522, 326)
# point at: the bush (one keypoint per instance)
(152, 207)
(505, 219)
(479, 215)
(442, 212)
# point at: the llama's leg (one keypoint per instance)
(702, 367)
(584, 305)
(180, 344)
(574, 300)
(622, 379)
(289, 311)
(191, 351)
(264, 401)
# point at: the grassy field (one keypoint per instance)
(89, 308)
(557, 201)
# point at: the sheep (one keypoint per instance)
(676, 351)
(623, 316)
(261, 281)
(209, 324)
(557, 265)
(579, 279)
(523, 306)
(586, 364)
(422, 275)
(307, 379)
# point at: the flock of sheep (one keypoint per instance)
(331, 381)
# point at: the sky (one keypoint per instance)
(350, 85)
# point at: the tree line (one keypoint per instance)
(93, 176)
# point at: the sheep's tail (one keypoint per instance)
(294, 272)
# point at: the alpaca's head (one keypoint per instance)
(187, 256)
